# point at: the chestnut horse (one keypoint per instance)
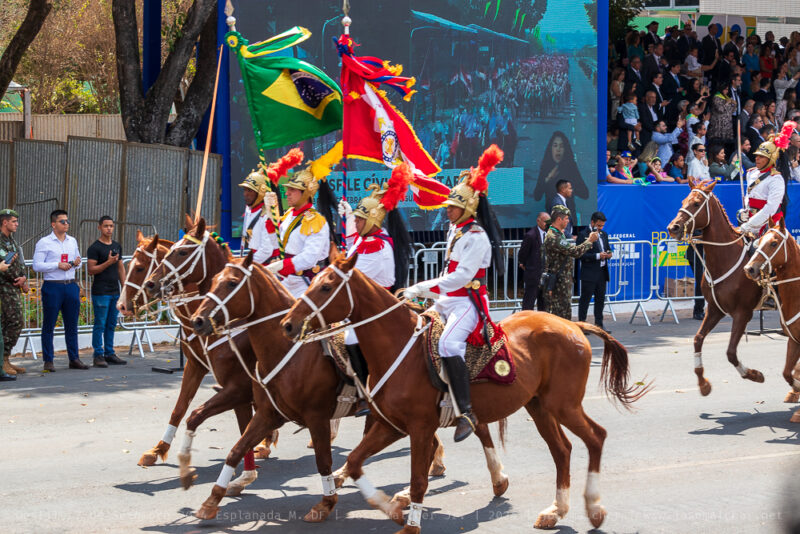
(552, 357)
(203, 357)
(725, 287)
(293, 382)
(776, 265)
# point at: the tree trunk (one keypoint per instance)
(145, 117)
(37, 13)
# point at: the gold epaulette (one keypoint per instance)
(313, 221)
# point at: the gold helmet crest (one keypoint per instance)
(772, 147)
(306, 180)
(473, 183)
(381, 200)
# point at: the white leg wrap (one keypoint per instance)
(187, 442)
(366, 487)
(169, 434)
(592, 494)
(742, 369)
(494, 464)
(698, 360)
(328, 485)
(335, 428)
(562, 502)
(225, 476)
(414, 515)
(796, 384)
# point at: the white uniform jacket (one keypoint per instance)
(375, 256)
(305, 235)
(764, 199)
(262, 238)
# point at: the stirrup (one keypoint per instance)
(465, 426)
(362, 408)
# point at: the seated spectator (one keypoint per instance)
(753, 133)
(747, 163)
(698, 136)
(767, 130)
(623, 172)
(698, 167)
(763, 95)
(655, 174)
(612, 176)
(719, 169)
(755, 83)
(771, 107)
(676, 168)
(793, 156)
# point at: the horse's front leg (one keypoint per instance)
(740, 321)
(321, 437)
(713, 316)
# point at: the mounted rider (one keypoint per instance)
(259, 225)
(461, 290)
(304, 234)
(382, 253)
(766, 186)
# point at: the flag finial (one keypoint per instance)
(231, 20)
(346, 20)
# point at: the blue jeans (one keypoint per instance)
(105, 321)
(66, 299)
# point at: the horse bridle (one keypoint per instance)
(316, 311)
(197, 254)
(222, 303)
(768, 259)
(687, 233)
(140, 288)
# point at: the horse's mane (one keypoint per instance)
(273, 282)
(145, 242)
(725, 214)
(412, 307)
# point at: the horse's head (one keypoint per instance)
(695, 211)
(772, 253)
(327, 300)
(185, 263)
(230, 298)
(144, 261)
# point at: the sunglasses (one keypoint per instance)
(63, 221)
(701, 149)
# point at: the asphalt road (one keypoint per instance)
(680, 463)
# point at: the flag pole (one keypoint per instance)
(208, 142)
(739, 163)
(346, 21)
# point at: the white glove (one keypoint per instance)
(743, 215)
(275, 266)
(421, 290)
(270, 200)
(345, 209)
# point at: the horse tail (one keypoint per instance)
(502, 426)
(614, 372)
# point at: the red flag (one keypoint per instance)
(375, 130)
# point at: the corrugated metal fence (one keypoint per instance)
(60, 127)
(141, 186)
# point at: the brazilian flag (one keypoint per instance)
(289, 99)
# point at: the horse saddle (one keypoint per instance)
(484, 362)
(347, 396)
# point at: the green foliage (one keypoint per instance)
(620, 15)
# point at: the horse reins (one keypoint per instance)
(769, 282)
(197, 254)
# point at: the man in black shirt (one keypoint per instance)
(104, 264)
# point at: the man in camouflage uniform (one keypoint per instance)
(560, 254)
(12, 282)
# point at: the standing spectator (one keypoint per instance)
(789, 102)
(630, 116)
(730, 46)
(652, 62)
(530, 261)
(766, 62)
(712, 50)
(615, 90)
(594, 270)
(751, 66)
(560, 253)
(686, 41)
(634, 46)
(763, 95)
(747, 163)
(57, 257)
(719, 169)
(665, 140)
(649, 115)
(747, 112)
(634, 79)
(563, 197)
(651, 37)
(12, 281)
(103, 262)
(736, 96)
(793, 156)
(783, 81)
(770, 110)
(753, 133)
(720, 126)
(698, 137)
(698, 167)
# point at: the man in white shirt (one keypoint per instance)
(57, 257)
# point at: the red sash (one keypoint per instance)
(758, 204)
(462, 292)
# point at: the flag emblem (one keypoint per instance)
(301, 90)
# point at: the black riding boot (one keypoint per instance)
(459, 381)
(359, 365)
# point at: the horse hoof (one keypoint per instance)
(500, 488)
(795, 417)
(339, 478)
(207, 512)
(546, 520)
(754, 375)
(597, 514)
(188, 478)
(310, 444)
(237, 486)
(321, 510)
(151, 457)
(436, 470)
(792, 396)
(409, 530)
(403, 498)
(210, 507)
(395, 512)
(705, 388)
(262, 452)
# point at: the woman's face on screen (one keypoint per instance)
(558, 149)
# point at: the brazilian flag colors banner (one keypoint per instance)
(289, 99)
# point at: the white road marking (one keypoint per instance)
(715, 462)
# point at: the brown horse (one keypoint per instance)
(725, 287)
(203, 357)
(293, 382)
(552, 359)
(778, 256)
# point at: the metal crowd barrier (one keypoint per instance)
(32, 313)
(676, 273)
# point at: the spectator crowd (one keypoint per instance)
(682, 107)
